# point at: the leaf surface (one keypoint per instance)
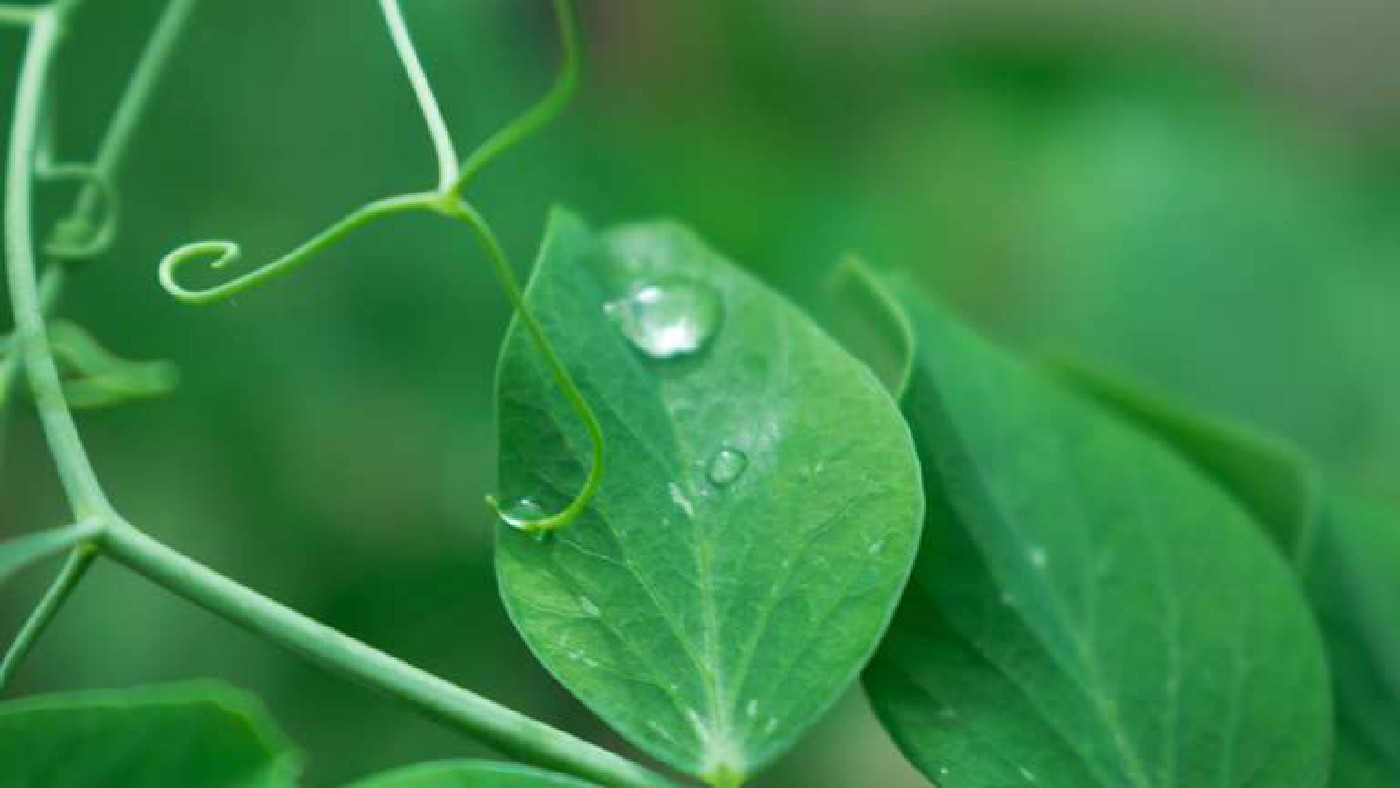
(154, 737)
(469, 774)
(1346, 550)
(760, 506)
(1088, 609)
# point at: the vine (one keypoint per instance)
(448, 200)
(34, 347)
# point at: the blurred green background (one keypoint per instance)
(1203, 195)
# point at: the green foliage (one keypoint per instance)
(714, 511)
(468, 774)
(759, 511)
(195, 735)
(1346, 551)
(1077, 616)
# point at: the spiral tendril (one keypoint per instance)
(227, 252)
(445, 200)
(77, 238)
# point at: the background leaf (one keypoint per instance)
(153, 737)
(469, 774)
(1077, 616)
(758, 516)
(1346, 550)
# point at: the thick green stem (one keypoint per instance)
(508, 731)
(68, 578)
(84, 493)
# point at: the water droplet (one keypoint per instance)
(726, 467)
(522, 512)
(588, 607)
(667, 318)
(876, 547)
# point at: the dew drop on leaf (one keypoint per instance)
(521, 512)
(667, 318)
(726, 467)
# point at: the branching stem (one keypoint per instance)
(102, 529)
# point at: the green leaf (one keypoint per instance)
(469, 774)
(203, 735)
(1087, 608)
(1347, 552)
(760, 506)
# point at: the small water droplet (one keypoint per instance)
(727, 466)
(877, 546)
(667, 318)
(588, 607)
(752, 708)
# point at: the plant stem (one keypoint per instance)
(131, 108)
(68, 578)
(508, 731)
(512, 733)
(80, 484)
(111, 152)
(17, 15)
(427, 100)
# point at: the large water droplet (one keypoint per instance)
(522, 512)
(669, 317)
(727, 466)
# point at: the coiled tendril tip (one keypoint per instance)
(223, 252)
(78, 238)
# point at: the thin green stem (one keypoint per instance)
(505, 274)
(131, 109)
(24, 550)
(543, 112)
(18, 15)
(82, 228)
(422, 89)
(80, 483)
(62, 588)
(225, 252)
(506, 730)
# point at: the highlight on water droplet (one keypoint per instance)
(521, 512)
(727, 466)
(669, 317)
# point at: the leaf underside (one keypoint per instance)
(710, 624)
(196, 735)
(1087, 608)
